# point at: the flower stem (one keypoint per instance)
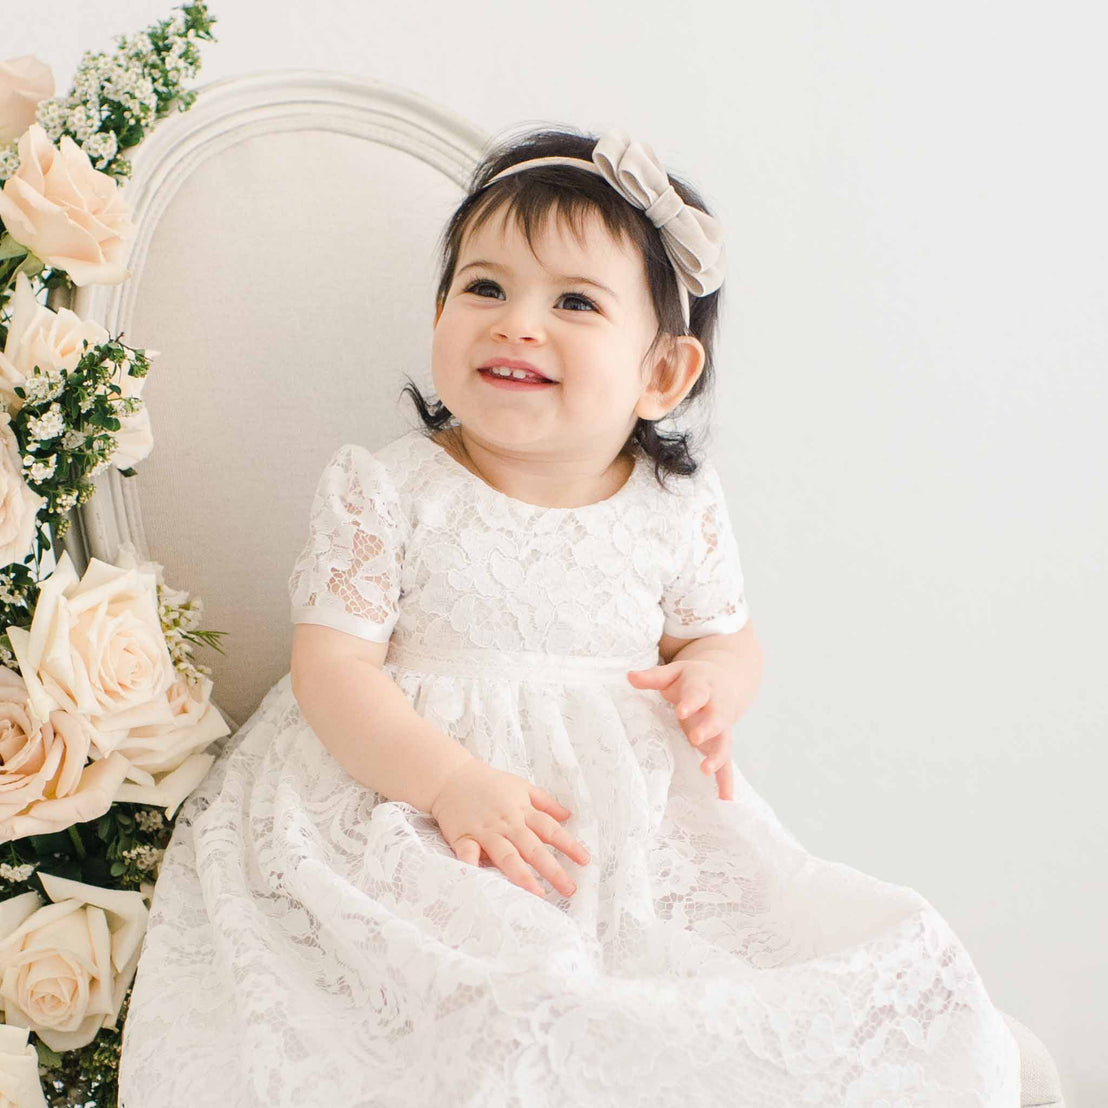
(75, 835)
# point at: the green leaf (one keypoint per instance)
(56, 842)
(117, 869)
(46, 1056)
(9, 248)
(30, 265)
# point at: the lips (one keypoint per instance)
(530, 378)
(533, 374)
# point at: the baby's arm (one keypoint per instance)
(364, 719)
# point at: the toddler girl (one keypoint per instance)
(485, 844)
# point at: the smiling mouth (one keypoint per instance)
(520, 382)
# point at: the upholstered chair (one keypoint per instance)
(284, 266)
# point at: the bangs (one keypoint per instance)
(560, 197)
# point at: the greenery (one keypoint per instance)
(66, 429)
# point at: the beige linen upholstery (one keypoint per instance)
(1039, 1083)
(285, 268)
(284, 265)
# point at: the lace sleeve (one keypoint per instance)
(706, 595)
(348, 574)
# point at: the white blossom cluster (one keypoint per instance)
(39, 469)
(136, 82)
(145, 857)
(74, 440)
(15, 874)
(9, 160)
(42, 385)
(149, 820)
(63, 501)
(178, 617)
(13, 598)
(101, 147)
(45, 385)
(43, 428)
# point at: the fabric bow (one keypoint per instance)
(693, 239)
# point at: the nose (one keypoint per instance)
(518, 322)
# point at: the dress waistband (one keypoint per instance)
(556, 668)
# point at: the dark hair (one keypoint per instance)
(572, 195)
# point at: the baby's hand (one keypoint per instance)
(707, 708)
(481, 810)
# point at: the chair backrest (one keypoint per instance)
(284, 267)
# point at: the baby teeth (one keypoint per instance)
(504, 371)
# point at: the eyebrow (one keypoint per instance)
(579, 280)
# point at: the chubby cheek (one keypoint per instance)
(605, 386)
(448, 357)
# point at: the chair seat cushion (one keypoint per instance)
(1039, 1083)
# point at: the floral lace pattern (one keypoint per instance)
(312, 943)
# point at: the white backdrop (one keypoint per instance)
(911, 386)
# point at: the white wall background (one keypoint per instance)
(911, 407)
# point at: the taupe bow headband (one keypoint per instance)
(693, 239)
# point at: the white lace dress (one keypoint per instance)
(312, 944)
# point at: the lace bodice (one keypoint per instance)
(407, 542)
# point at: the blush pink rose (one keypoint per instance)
(39, 336)
(19, 503)
(45, 783)
(24, 81)
(65, 212)
(20, 1086)
(96, 646)
(65, 966)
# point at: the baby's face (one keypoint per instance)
(590, 341)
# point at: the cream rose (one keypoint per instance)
(24, 81)
(96, 646)
(39, 336)
(20, 1084)
(167, 760)
(66, 966)
(45, 783)
(19, 503)
(65, 212)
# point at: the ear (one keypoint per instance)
(673, 373)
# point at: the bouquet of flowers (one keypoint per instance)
(105, 719)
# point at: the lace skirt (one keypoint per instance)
(312, 943)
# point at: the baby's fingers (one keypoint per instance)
(467, 849)
(725, 779)
(716, 751)
(703, 725)
(533, 851)
(542, 800)
(555, 834)
(692, 697)
(504, 855)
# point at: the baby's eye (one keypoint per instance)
(583, 299)
(474, 285)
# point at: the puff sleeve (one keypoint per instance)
(705, 596)
(347, 576)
